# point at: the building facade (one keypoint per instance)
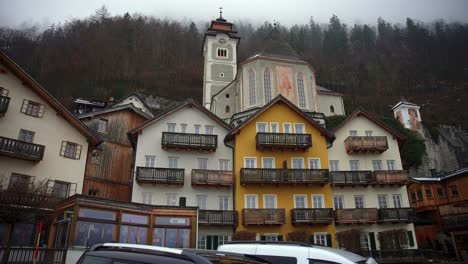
(281, 171)
(369, 186)
(181, 159)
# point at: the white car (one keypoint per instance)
(294, 253)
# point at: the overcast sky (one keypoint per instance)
(20, 13)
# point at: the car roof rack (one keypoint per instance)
(283, 243)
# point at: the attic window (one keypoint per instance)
(332, 109)
(227, 95)
(221, 52)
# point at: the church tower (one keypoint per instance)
(408, 114)
(220, 57)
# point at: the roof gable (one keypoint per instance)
(115, 108)
(138, 97)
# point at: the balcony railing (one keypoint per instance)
(20, 149)
(263, 216)
(160, 175)
(217, 217)
(28, 198)
(356, 216)
(284, 141)
(355, 144)
(453, 209)
(390, 177)
(455, 222)
(397, 215)
(189, 141)
(4, 102)
(211, 178)
(351, 177)
(283, 176)
(312, 215)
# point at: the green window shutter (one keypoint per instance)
(329, 240)
(410, 238)
(215, 242)
(280, 237)
(209, 242)
(372, 241)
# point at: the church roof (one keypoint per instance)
(276, 46)
(405, 102)
(324, 90)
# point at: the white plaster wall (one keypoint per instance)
(149, 143)
(370, 195)
(50, 130)
(326, 100)
(405, 115)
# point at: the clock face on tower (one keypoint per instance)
(222, 39)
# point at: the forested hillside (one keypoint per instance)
(112, 55)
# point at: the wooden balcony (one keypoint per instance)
(283, 176)
(395, 215)
(4, 102)
(263, 216)
(355, 144)
(455, 222)
(217, 217)
(454, 209)
(216, 178)
(284, 141)
(390, 177)
(28, 198)
(356, 216)
(160, 175)
(20, 149)
(351, 177)
(312, 215)
(188, 141)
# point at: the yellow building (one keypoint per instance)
(281, 174)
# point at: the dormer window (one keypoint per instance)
(222, 52)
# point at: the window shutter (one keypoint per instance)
(372, 240)
(78, 152)
(41, 111)
(410, 238)
(329, 240)
(25, 106)
(62, 150)
(280, 237)
(209, 242)
(262, 238)
(215, 242)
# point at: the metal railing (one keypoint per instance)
(4, 102)
(366, 144)
(22, 255)
(397, 215)
(190, 141)
(14, 197)
(160, 175)
(312, 215)
(451, 209)
(285, 176)
(284, 140)
(389, 177)
(217, 217)
(21, 149)
(356, 216)
(211, 177)
(263, 216)
(351, 177)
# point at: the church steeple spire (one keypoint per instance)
(221, 19)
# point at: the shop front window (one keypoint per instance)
(133, 234)
(22, 235)
(171, 237)
(90, 233)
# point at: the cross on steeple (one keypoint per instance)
(220, 12)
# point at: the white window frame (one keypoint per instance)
(222, 201)
(305, 200)
(183, 128)
(317, 195)
(363, 201)
(250, 195)
(147, 198)
(379, 196)
(255, 162)
(252, 86)
(391, 167)
(319, 166)
(290, 128)
(171, 125)
(332, 168)
(203, 162)
(301, 98)
(267, 91)
(209, 130)
(351, 167)
(369, 133)
(271, 127)
(353, 133)
(223, 164)
(262, 123)
(299, 124)
(270, 195)
(220, 50)
(297, 158)
(342, 200)
(374, 162)
(170, 200)
(223, 240)
(317, 234)
(169, 165)
(364, 240)
(201, 242)
(399, 198)
(196, 129)
(150, 159)
(269, 158)
(271, 237)
(202, 201)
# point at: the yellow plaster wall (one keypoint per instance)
(245, 146)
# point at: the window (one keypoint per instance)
(197, 129)
(223, 202)
(19, 181)
(391, 165)
(428, 193)
(201, 202)
(320, 239)
(221, 74)
(300, 201)
(353, 133)
(441, 192)
(369, 133)
(297, 163)
(26, 136)
(70, 150)
(270, 237)
(150, 161)
(171, 127)
(453, 190)
(268, 163)
(173, 162)
(221, 52)
(382, 199)
(146, 198)
(338, 201)
(332, 109)
(334, 165)
(92, 192)
(251, 201)
(318, 201)
(252, 92)
(269, 201)
(359, 201)
(3, 91)
(300, 91)
(397, 201)
(202, 164)
(299, 128)
(250, 163)
(274, 127)
(287, 128)
(420, 195)
(171, 199)
(364, 241)
(96, 156)
(314, 163)
(262, 127)
(223, 165)
(61, 189)
(102, 126)
(354, 165)
(32, 108)
(209, 130)
(202, 242)
(227, 95)
(267, 84)
(227, 109)
(413, 196)
(183, 128)
(223, 239)
(377, 165)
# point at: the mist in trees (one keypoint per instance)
(374, 65)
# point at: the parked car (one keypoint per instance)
(117, 253)
(294, 253)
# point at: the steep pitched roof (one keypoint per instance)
(362, 112)
(114, 109)
(323, 90)
(137, 96)
(188, 103)
(51, 100)
(404, 101)
(280, 99)
(275, 46)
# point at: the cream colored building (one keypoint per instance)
(369, 184)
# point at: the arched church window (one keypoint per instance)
(227, 109)
(332, 109)
(222, 52)
(300, 91)
(267, 84)
(252, 91)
